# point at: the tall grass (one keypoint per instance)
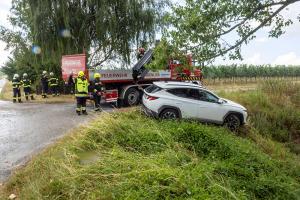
(274, 110)
(129, 156)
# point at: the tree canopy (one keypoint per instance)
(211, 28)
(101, 28)
(44, 30)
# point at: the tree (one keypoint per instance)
(103, 29)
(205, 28)
(165, 52)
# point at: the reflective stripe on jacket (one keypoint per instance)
(26, 83)
(16, 83)
(53, 81)
(97, 86)
(81, 87)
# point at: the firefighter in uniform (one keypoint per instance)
(26, 82)
(44, 81)
(16, 83)
(53, 83)
(141, 53)
(97, 89)
(71, 83)
(81, 93)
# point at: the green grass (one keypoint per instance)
(129, 156)
(274, 110)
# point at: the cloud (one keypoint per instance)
(4, 12)
(290, 58)
(261, 39)
(255, 59)
(3, 53)
(5, 4)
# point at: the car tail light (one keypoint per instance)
(151, 98)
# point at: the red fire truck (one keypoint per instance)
(124, 87)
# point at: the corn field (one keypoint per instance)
(249, 73)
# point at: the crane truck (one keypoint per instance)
(125, 87)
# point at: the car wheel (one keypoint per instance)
(232, 122)
(169, 114)
(132, 97)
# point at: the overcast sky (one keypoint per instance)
(262, 50)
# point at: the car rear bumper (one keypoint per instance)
(149, 112)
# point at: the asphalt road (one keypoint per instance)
(27, 128)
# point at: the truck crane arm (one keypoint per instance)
(139, 70)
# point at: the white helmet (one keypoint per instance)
(16, 76)
(25, 75)
(51, 74)
(44, 72)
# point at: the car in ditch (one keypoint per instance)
(176, 100)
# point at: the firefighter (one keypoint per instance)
(141, 53)
(97, 89)
(81, 93)
(71, 83)
(16, 83)
(53, 83)
(26, 82)
(45, 82)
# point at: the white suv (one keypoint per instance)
(170, 100)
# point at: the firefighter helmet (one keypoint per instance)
(25, 75)
(44, 72)
(16, 76)
(97, 75)
(80, 74)
(51, 74)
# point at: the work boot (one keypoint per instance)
(84, 112)
(14, 101)
(78, 113)
(32, 98)
(20, 101)
(26, 98)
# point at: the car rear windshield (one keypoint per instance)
(152, 89)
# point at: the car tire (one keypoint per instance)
(232, 122)
(132, 97)
(169, 114)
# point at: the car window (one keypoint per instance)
(153, 89)
(180, 92)
(185, 93)
(207, 96)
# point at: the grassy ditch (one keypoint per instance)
(129, 156)
(274, 110)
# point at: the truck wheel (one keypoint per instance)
(132, 97)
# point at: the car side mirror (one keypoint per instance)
(220, 101)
